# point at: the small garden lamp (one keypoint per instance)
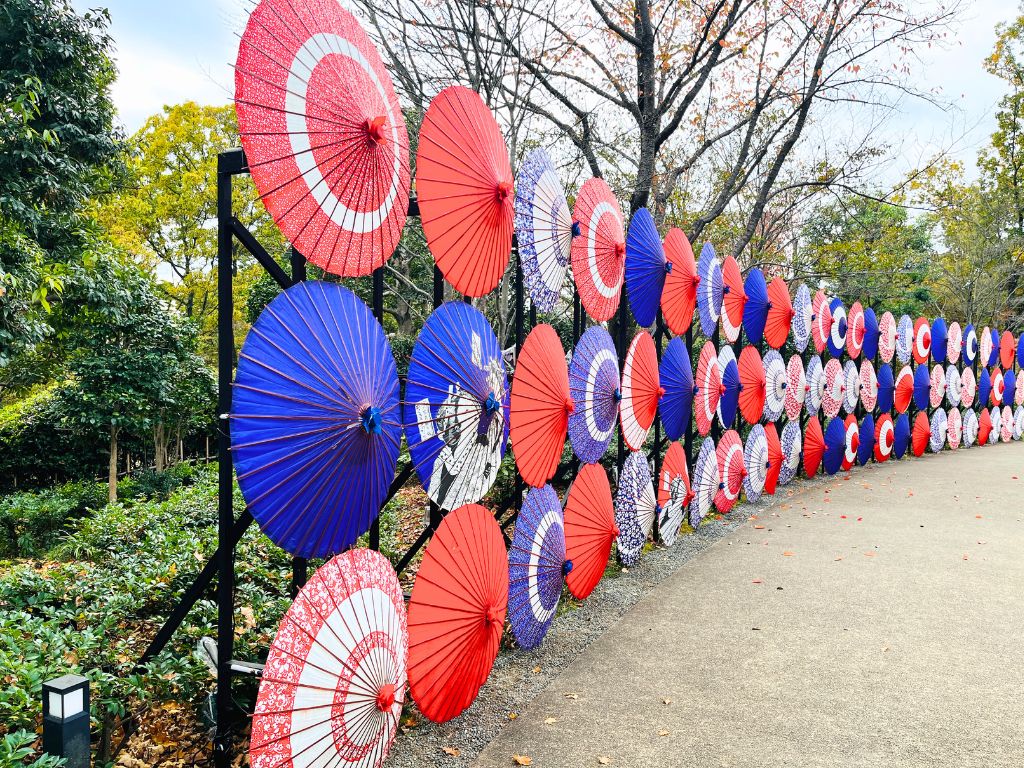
(66, 719)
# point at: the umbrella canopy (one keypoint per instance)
(676, 375)
(590, 529)
(904, 389)
(835, 446)
(731, 469)
(324, 134)
(752, 384)
(922, 347)
(1006, 424)
(937, 386)
(755, 463)
(464, 189)
(901, 436)
(734, 299)
(315, 426)
(970, 430)
(939, 425)
(954, 342)
(837, 331)
(968, 388)
(871, 334)
(792, 449)
(796, 388)
(884, 436)
(456, 406)
(544, 229)
(995, 353)
(952, 386)
(821, 321)
(954, 428)
(922, 387)
(852, 438)
(635, 507)
(674, 493)
(646, 267)
(1018, 422)
(598, 255)
(594, 389)
(984, 388)
(725, 355)
(730, 394)
(921, 434)
(835, 388)
(333, 686)
(866, 445)
(1007, 348)
(887, 337)
(940, 341)
(987, 350)
(855, 330)
(886, 388)
(814, 446)
(710, 291)
(641, 390)
(904, 339)
(816, 385)
(998, 387)
(1009, 387)
(540, 406)
(457, 612)
(755, 309)
(536, 566)
(775, 458)
(970, 347)
(803, 317)
(1018, 392)
(851, 386)
(984, 431)
(705, 482)
(868, 385)
(776, 385)
(780, 313)
(679, 296)
(708, 388)
(1020, 351)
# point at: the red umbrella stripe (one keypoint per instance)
(641, 390)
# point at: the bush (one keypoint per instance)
(16, 748)
(33, 521)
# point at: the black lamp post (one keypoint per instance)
(66, 719)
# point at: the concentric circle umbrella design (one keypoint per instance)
(792, 445)
(457, 612)
(780, 313)
(755, 308)
(334, 683)
(970, 430)
(536, 566)
(1006, 424)
(851, 386)
(835, 388)
(835, 446)
(838, 329)
(464, 189)
(984, 388)
(1009, 387)
(710, 290)
(725, 355)
(904, 389)
(866, 443)
(968, 388)
(939, 340)
(821, 321)
(922, 387)
(679, 296)
(323, 133)
(886, 337)
(868, 385)
(937, 386)
(939, 425)
(970, 349)
(594, 389)
(886, 388)
(984, 431)
(803, 317)
(855, 330)
(904, 339)
(775, 458)
(635, 507)
(540, 406)
(676, 377)
(731, 471)
(708, 388)
(921, 434)
(884, 437)
(641, 390)
(755, 463)
(590, 529)
(871, 334)
(646, 267)
(814, 446)
(852, 437)
(315, 426)
(705, 482)
(954, 428)
(1007, 347)
(730, 398)
(922, 347)
(598, 255)
(986, 349)
(901, 436)
(1018, 422)
(954, 342)
(674, 493)
(456, 406)
(795, 391)
(816, 385)
(998, 387)
(952, 386)
(734, 299)
(753, 384)
(544, 229)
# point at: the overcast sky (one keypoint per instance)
(169, 51)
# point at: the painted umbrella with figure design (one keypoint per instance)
(792, 448)
(803, 316)
(705, 482)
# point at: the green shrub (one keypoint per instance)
(17, 749)
(32, 522)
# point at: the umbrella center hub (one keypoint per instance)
(576, 229)
(620, 249)
(492, 616)
(385, 697)
(566, 567)
(617, 395)
(570, 405)
(491, 405)
(375, 129)
(668, 267)
(503, 191)
(371, 420)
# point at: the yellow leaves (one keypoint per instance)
(604, 759)
(787, 553)
(522, 759)
(663, 732)
(453, 751)
(513, 715)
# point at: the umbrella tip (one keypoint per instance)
(620, 249)
(566, 567)
(570, 405)
(617, 395)
(576, 229)
(503, 190)
(661, 392)
(668, 267)
(386, 697)
(374, 127)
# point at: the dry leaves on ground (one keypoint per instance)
(453, 751)
(522, 760)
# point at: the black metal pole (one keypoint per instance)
(378, 312)
(300, 567)
(620, 351)
(434, 513)
(520, 311)
(689, 424)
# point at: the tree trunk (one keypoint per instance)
(112, 466)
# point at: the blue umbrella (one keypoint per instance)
(904, 338)
(871, 334)
(993, 357)
(922, 386)
(886, 388)
(1009, 386)
(970, 345)
(594, 388)
(835, 446)
(837, 333)
(901, 436)
(866, 447)
(676, 375)
(536, 566)
(755, 310)
(456, 406)
(709, 292)
(984, 387)
(646, 267)
(939, 426)
(730, 394)
(315, 428)
(939, 335)
(1020, 351)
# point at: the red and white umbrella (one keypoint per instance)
(998, 387)
(835, 387)
(852, 430)
(796, 388)
(334, 683)
(1018, 393)
(734, 299)
(885, 434)
(886, 337)
(952, 386)
(855, 330)
(323, 133)
(904, 389)
(851, 386)
(776, 384)
(709, 388)
(1006, 424)
(954, 342)
(922, 347)
(937, 386)
(954, 428)
(968, 388)
(641, 390)
(731, 471)
(598, 255)
(868, 385)
(821, 321)
(985, 347)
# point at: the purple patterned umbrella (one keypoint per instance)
(635, 507)
(776, 384)
(938, 427)
(970, 429)
(704, 482)
(904, 339)
(755, 461)
(594, 388)
(536, 566)
(801, 326)
(709, 292)
(792, 443)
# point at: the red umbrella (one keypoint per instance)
(679, 296)
(885, 434)
(852, 442)
(921, 433)
(1007, 349)
(590, 529)
(855, 330)
(752, 385)
(540, 406)
(775, 458)
(984, 426)
(814, 446)
(457, 612)
(599, 254)
(821, 321)
(733, 300)
(730, 460)
(464, 188)
(922, 346)
(674, 493)
(904, 389)
(708, 388)
(641, 390)
(323, 133)
(780, 313)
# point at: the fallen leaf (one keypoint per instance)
(787, 553)
(550, 720)
(663, 732)
(410, 722)
(666, 701)
(869, 554)
(839, 558)
(758, 527)
(978, 517)
(965, 557)
(842, 517)
(513, 715)
(603, 759)
(453, 751)
(859, 519)
(536, 670)
(522, 760)
(572, 696)
(757, 581)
